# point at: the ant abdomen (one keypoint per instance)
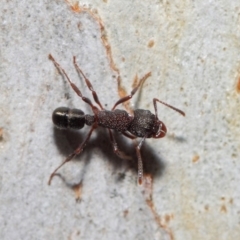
(64, 118)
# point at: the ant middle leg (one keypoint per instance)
(89, 85)
(74, 87)
(75, 153)
(126, 98)
(128, 135)
(155, 100)
(116, 150)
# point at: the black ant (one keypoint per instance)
(143, 123)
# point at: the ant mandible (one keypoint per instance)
(142, 124)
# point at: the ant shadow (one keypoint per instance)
(68, 140)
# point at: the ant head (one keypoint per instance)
(159, 129)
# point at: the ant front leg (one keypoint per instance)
(126, 98)
(139, 157)
(89, 85)
(140, 163)
(76, 152)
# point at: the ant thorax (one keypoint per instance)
(118, 120)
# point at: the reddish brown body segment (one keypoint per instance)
(118, 120)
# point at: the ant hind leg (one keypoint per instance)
(74, 87)
(75, 153)
(89, 85)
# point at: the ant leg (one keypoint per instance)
(128, 135)
(119, 153)
(95, 96)
(74, 87)
(126, 98)
(76, 152)
(155, 100)
(140, 164)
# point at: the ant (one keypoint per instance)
(142, 124)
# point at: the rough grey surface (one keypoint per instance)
(193, 52)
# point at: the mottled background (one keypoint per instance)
(192, 49)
